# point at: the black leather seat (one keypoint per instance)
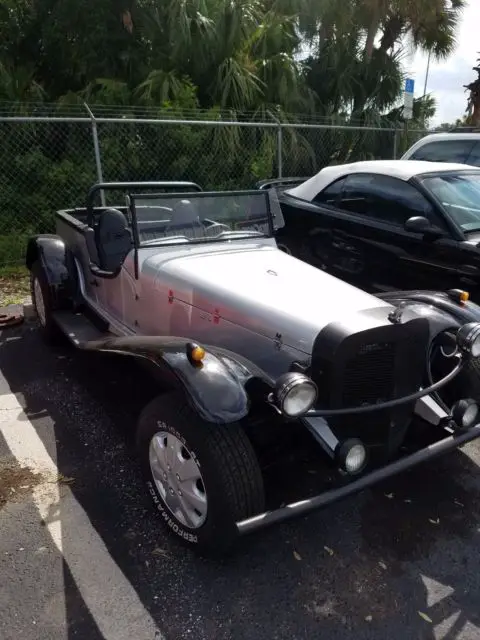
(113, 238)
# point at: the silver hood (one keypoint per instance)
(263, 289)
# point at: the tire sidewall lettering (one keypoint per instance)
(174, 526)
(172, 523)
(163, 426)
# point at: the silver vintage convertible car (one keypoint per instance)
(250, 343)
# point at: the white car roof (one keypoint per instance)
(401, 169)
(440, 137)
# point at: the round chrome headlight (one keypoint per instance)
(351, 456)
(468, 339)
(465, 414)
(295, 393)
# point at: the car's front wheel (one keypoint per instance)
(202, 477)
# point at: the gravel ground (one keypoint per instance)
(399, 561)
(14, 285)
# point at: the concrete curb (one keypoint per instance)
(29, 311)
(25, 311)
(11, 316)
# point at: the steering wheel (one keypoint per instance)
(212, 225)
(217, 225)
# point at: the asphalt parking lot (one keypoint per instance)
(83, 555)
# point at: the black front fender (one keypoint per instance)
(444, 314)
(216, 387)
(442, 311)
(50, 251)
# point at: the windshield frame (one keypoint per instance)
(422, 180)
(133, 198)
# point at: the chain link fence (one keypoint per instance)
(49, 163)
(215, 156)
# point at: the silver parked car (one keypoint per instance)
(249, 342)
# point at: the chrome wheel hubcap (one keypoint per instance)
(39, 302)
(178, 479)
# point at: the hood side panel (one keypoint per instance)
(260, 288)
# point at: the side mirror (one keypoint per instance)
(418, 224)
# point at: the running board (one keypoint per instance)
(78, 329)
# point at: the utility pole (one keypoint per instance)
(424, 104)
(426, 74)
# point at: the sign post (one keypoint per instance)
(408, 98)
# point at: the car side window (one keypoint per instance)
(444, 151)
(331, 194)
(474, 157)
(385, 199)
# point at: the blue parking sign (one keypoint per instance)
(409, 85)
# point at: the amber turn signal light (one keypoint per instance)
(195, 353)
(198, 354)
(458, 295)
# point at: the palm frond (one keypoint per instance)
(161, 87)
(236, 85)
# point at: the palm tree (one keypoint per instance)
(366, 40)
(18, 86)
(473, 105)
(241, 55)
(431, 24)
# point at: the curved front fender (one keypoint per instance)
(50, 250)
(442, 311)
(215, 388)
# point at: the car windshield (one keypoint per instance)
(201, 217)
(460, 195)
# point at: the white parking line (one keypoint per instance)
(111, 599)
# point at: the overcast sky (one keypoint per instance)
(446, 79)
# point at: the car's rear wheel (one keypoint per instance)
(43, 303)
(202, 477)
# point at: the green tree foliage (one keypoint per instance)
(473, 104)
(236, 54)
